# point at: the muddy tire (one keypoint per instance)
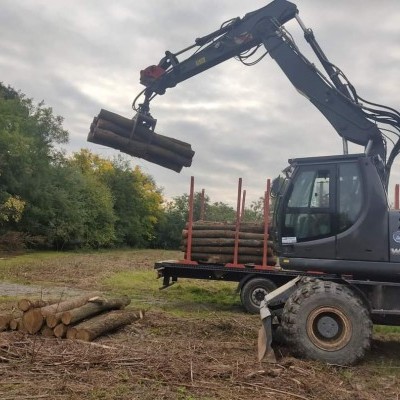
(327, 321)
(253, 292)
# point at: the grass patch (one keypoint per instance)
(15, 269)
(80, 269)
(7, 299)
(195, 295)
(386, 329)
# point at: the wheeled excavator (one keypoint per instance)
(338, 242)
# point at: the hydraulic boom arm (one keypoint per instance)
(334, 96)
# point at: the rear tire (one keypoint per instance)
(253, 293)
(326, 321)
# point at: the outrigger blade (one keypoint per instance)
(277, 297)
(265, 350)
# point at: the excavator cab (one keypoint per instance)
(332, 209)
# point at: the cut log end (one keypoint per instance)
(33, 320)
(60, 331)
(71, 333)
(47, 332)
(5, 321)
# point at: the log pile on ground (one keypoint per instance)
(85, 317)
(214, 242)
(113, 130)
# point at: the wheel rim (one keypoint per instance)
(257, 296)
(329, 328)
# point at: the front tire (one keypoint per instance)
(327, 321)
(253, 293)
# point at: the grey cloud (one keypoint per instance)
(80, 56)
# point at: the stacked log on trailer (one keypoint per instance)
(135, 138)
(214, 242)
(85, 317)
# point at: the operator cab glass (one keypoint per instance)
(309, 208)
(350, 195)
(329, 207)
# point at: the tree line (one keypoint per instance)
(49, 199)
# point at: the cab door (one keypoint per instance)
(309, 207)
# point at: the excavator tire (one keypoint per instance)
(327, 321)
(253, 293)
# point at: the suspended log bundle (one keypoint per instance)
(136, 139)
(214, 242)
(93, 312)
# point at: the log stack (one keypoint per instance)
(214, 242)
(138, 140)
(85, 317)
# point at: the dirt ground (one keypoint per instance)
(188, 356)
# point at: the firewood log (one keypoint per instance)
(17, 324)
(180, 148)
(127, 124)
(46, 331)
(222, 242)
(97, 326)
(139, 149)
(26, 304)
(68, 304)
(228, 234)
(90, 309)
(13, 324)
(33, 319)
(244, 227)
(60, 330)
(53, 320)
(5, 321)
(226, 258)
(113, 130)
(243, 251)
(71, 333)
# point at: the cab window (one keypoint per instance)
(350, 195)
(309, 207)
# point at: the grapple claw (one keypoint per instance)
(143, 120)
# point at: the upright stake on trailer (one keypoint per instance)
(397, 197)
(243, 205)
(202, 204)
(190, 223)
(266, 220)
(236, 250)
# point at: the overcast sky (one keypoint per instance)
(81, 56)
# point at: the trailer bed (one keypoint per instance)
(171, 270)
